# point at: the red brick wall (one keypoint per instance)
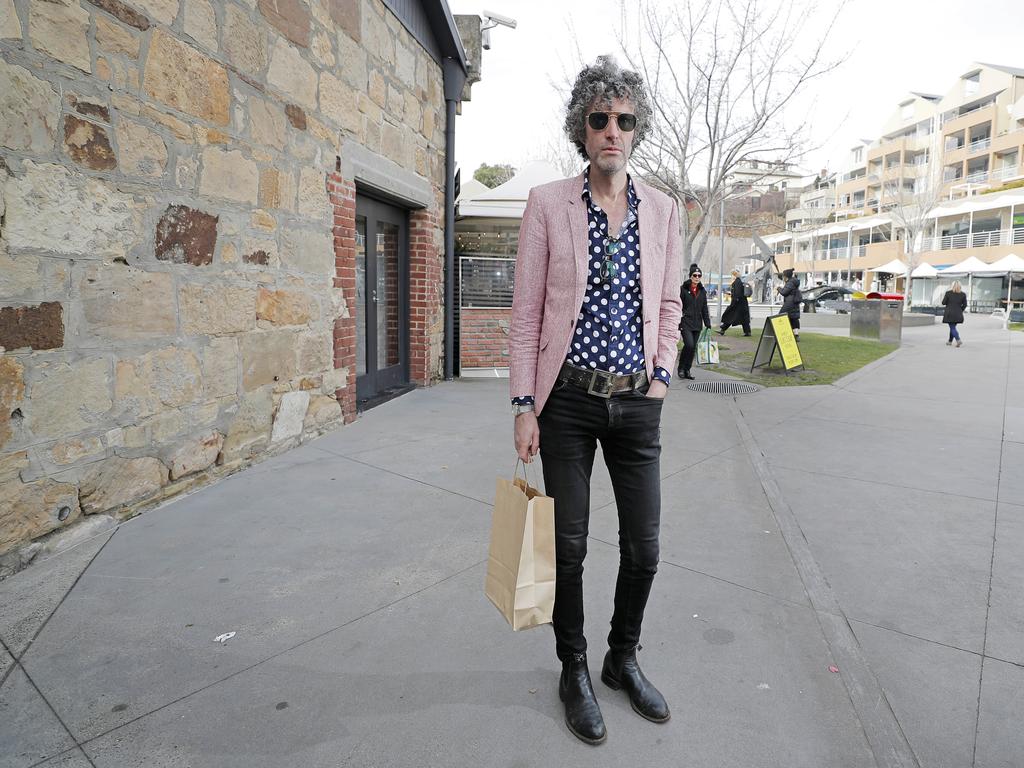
(483, 338)
(343, 199)
(426, 297)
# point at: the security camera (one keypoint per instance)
(497, 18)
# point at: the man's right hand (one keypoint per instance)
(527, 436)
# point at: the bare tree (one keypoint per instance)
(721, 74)
(911, 209)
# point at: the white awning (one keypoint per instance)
(1009, 263)
(969, 266)
(894, 267)
(508, 200)
(924, 270)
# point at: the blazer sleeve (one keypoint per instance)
(671, 310)
(704, 311)
(528, 299)
(944, 297)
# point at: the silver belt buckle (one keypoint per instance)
(606, 379)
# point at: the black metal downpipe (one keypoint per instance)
(454, 80)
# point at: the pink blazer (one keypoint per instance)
(552, 267)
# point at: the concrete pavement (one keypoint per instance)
(875, 525)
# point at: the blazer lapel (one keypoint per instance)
(645, 213)
(579, 231)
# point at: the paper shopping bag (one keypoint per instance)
(521, 563)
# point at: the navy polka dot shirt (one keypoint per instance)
(609, 327)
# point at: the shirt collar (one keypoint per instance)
(632, 199)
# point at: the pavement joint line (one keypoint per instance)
(271, 657)
(881, 727)
(854, 376)
(952, 431)
(992, 560)
(744, 587)
(882, 482)
(56, 714)
(64, 597)
(416, 480)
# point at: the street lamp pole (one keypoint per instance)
(721, 254)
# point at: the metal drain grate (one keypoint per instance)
(723, 387)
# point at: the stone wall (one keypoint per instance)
(173, 298)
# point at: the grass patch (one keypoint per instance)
(1017, 326)
(826, 359)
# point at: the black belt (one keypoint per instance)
(602, 383)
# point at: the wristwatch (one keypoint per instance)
(524, 408)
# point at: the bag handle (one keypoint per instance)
(515, 472)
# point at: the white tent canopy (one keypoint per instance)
(1009, 263)
(508, 201)
(969, 266)
(924, 270)
(894, 267)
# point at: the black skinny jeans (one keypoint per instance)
(689, 349)
(628, 428)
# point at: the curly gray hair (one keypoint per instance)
(605, 80)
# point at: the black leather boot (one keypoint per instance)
(582, 714)
(621, 670)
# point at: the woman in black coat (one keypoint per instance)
(791, 298)
(955, 302)
(695, 316)
(738, 311)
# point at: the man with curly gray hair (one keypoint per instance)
(592, 341)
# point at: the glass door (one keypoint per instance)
(382, 279)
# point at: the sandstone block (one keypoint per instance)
(203, 415)
(307, 250)
(196, 455)
(29, 110)
(142, 151)
(316, 352)
(391, 143)
(10, 25)
(229, 175)
(267, 123)
(116, 482)
(29, 510)
(263, 220)
(12, 390)
(291, 414)
(249, 432)
(339, 102)
(405, 65)
(186, 236)
(378, 89)
(322, 411)
(267, 357)
(352, 62)
(166, 378)
(322, 49)
(335, 379)
(296, 116)
(68, 398)
(313, 201)
(182, 77)
(216, 309)
(286, 307)
(292, 75)
(244, 41)
(289, 17)
(60, 28)
(201, 23)
(119, 10)
(126, 303)
(38, 327)
(44, 211)
(164, 11)
(179, 128)
(77, 449)
(116, 38)
(347, 14)
(88, 144)
(11, 464)
(260, 252)
(165, 427)
(220, 368)
(270, 188)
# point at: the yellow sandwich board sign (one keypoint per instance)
(777, 334)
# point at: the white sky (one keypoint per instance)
(894, 46)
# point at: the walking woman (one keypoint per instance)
(695, 316)
(791, 298)
(955, 302)
(738, 311)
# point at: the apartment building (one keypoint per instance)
(952, 164)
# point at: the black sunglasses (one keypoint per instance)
(599, 120)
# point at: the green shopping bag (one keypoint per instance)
(707, 349)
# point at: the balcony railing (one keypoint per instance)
(949, 177)
(1006, 172)
(974, 240)
(831, 254)
(953, 146)
(976, 177)
(979, 144)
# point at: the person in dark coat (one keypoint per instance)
(738, 311)
(791, 298)
(695, 316)
(955, 302)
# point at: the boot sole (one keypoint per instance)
(586, 739)
(616, 686)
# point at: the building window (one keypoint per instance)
(971, 83)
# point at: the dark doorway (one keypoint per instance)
(382, 302)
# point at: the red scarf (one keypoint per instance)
(693, 288)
